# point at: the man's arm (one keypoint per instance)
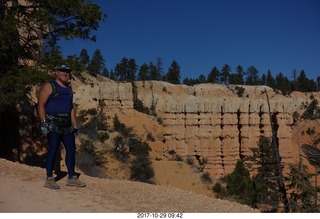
(43, 96)
(73, 116)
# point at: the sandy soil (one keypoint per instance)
(22, 190)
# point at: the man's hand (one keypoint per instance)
(44, 128)
(76, 130)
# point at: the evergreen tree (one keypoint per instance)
(159, 69)
(263, 79)
(302, 192)
(237, 78)
(173, 74)
(225, 74)
(126, 70)
(304, 84)
(252, 76)
(74, 63)
(270, 80)
(153, 73)
(120, 69)
(186, 81)
(51, 58)
(311, 110)
(191, 81)
(264, 160)
(31, 31)
(294, 82)
(240, 185)
(233, 79)
(214, 75)
(84, 58)
(24, 26)
(282, 83)
(131, 70)
(112, 75)
(97, 63)
(240, 73)
(202, 79)
(105, 72)
(143, 72)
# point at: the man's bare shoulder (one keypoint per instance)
(46, 87)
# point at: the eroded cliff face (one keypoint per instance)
(209, 121)
(212, 122)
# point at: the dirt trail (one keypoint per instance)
(22, 190)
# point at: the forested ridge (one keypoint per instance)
(30, 31)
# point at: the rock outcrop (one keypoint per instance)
(217, 122)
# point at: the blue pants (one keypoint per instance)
(54, 141)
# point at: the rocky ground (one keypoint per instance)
(22, 190)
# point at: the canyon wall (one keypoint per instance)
(211, 121)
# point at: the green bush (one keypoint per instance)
(219, 189)
(141, 170)
(103, 136)
(92, 112)
(205, 177)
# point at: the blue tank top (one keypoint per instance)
(61, 102)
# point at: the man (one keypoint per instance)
(58, 123)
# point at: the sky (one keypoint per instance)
(276, 35)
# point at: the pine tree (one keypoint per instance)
(105, 72)
(120, 69)
(31, 32)
(282, 83)
(270, 80)
(240, 185)
(74, 63)
(84, 58)
(252, 76)
(225, 74)
(159, 69)
(173, 75)
(304, 84)
(237, 78)
(265, 181)
(214, 75)
(131, 70)
(153, 72)
(97, 63)
(239, 74)
(302, 192)
(143, 72)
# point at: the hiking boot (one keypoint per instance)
(74, 181)
(51, 183)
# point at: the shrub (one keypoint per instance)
(136, 147)
(295, 115)
(202, 163)
(190, 160)
(310, 131)
(150, 137)
(87, 146)
(205, 177)
(92, 112)
(120, 149)
(219, 189)
(141, 169)
(102, 136)
(160, 120)
(240, 91)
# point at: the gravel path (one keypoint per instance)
(22, 190)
